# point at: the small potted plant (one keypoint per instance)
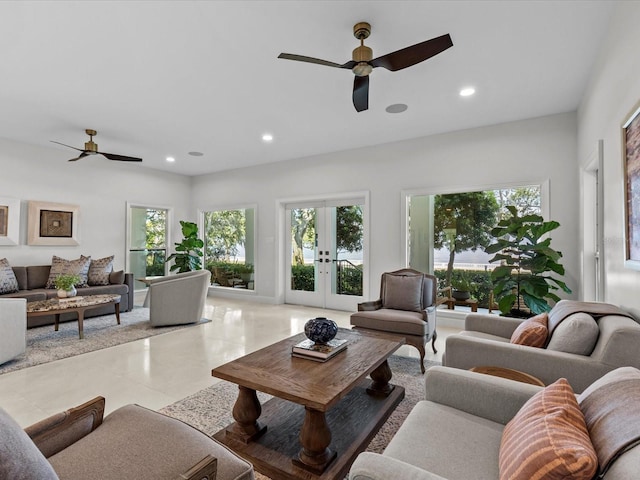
(461, 289)
(66, 285)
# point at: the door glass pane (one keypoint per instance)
(304, 250)
(347, 250)
(229, 247)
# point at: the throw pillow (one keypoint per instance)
(19, 456)
(99, 271)
(578, 333)
(548, 439)
(532, 332)
(403, 292)
(610, 408)
(60, 266)
(8, 280)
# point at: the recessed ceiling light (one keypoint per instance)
(171, 159)
(267, 137)
(467, 92)
(196, 154)
(396, 108)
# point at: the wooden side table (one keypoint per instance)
(508, 373)
(147, 281)
(451, 302)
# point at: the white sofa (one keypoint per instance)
(13, 328)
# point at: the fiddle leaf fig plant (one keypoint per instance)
(189, 251)
(529, 268)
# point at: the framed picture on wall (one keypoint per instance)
(631, 158)
(53, 224)
(9, 221)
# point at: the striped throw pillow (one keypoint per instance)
(548, 439)
(533, 332)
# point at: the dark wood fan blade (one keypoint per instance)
(83, 154)
(65, 145)
(414, 54)
(120, 158)
(361, 93)
(301, 58)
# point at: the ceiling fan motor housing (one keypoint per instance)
(362, 54)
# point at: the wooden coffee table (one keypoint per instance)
(53, 306)
(322, 414)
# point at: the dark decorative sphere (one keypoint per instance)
(320, 329)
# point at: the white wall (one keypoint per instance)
(613, 91)
(527, 151)
(99, 187)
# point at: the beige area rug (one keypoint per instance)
(44, 344)
(209, 410)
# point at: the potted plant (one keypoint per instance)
(461, 288)
(66, 285)
(189, 251)
(529, 267)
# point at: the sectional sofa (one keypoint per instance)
(32, 281)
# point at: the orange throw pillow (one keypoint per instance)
(533, 332)
(548, 439)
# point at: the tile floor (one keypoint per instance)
(160, 370)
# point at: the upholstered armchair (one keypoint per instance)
(13, 328)
(583, 341)
(131, 442)
(178, 299)
(406, 307)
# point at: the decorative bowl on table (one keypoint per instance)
(320, 329)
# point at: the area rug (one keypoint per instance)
(209, 410)
(44, 344)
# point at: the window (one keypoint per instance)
(447, 233)
(147, 242)
(229, 243)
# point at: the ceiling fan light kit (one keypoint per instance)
(363, 63)
(91, 148)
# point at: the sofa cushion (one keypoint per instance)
(532, 332)
(19, 456)
(37, 276)
(610, 408)
(60, 266)
(8, 280)
(99, 271)
(548, 439)
(392, 321)
(134, 442)
(578, 333)
(116, 278)
(403, 292)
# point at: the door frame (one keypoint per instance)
(281, 236)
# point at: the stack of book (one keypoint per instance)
(318, 352)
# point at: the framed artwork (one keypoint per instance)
(9, 221)
(631, 157)
(53, 224)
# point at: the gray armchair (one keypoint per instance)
(178, 299)
(587, 340)
(13, 328)
(131, 442)
(406, 307)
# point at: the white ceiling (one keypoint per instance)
(166, 78)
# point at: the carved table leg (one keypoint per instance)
(380, 386)
(246, 411)
(315, 438)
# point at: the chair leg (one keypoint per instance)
(433, 341)
(422, 354)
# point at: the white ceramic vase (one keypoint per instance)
(72, 292)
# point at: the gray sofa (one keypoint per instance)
(456, 432)
(33, 279)
(581, 349)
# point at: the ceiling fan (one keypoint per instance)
(91, 148)
(363, 62)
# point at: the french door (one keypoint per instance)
(325, 258)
